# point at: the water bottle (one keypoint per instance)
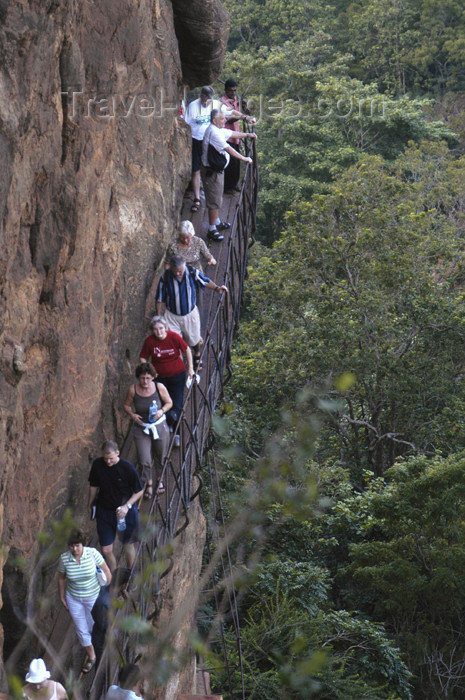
(101, 577)
(121, 524)
(152, 411)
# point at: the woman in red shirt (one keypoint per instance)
(164, 349)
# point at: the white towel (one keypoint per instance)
(196, 378)
(151, 428)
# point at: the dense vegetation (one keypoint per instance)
(352, 342)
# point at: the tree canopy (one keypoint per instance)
(365, 282)
(353, 326)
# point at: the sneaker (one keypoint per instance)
(215, 235)
(223, 225)
(177, 441)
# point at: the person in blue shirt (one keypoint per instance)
(177, 297)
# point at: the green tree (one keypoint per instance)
(315, 120)
(408, 569)
(357, 660)
(380, 34)
(255, 23)
(308, 145)
(364, 280)
(404, 45)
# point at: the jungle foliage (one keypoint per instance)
(330, 83)
(354, 321)
(361, 297)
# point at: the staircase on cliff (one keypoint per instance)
(188, 473)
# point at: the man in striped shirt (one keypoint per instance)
(177, 292)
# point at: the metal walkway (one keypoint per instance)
(184, 470)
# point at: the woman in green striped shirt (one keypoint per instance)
(79, 587)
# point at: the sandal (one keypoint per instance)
(160, 488)
(196, 205)
(148, 493)
(215, 236)
(198, 364)
(89, 665)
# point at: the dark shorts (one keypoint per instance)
(106, 526)
(196, 155)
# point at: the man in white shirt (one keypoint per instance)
(198, 114)
(216, 137)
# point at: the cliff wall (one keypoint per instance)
(94, 162)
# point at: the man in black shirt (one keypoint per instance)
(115, 488)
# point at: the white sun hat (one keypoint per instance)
(37, 672)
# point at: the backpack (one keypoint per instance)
(216, 160)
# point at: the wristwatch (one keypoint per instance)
(129, 505)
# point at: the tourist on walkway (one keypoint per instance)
(115, 488)
(112, 591)
(164, 350)
(233, 170)
(190, 247)
(147, 403)
(197, 116)
(79, 587)
(177, 291)
(38, 684)
(129, 686)
(216, 152)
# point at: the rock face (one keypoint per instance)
(202, 30)
(94, 161)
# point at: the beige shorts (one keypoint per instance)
(188, 326)
(213, 187)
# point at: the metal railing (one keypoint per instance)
(181, 475)
(223, 589)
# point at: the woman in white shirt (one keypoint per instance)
(38, 683)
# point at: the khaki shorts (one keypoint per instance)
(213, 187)
(188, 326)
